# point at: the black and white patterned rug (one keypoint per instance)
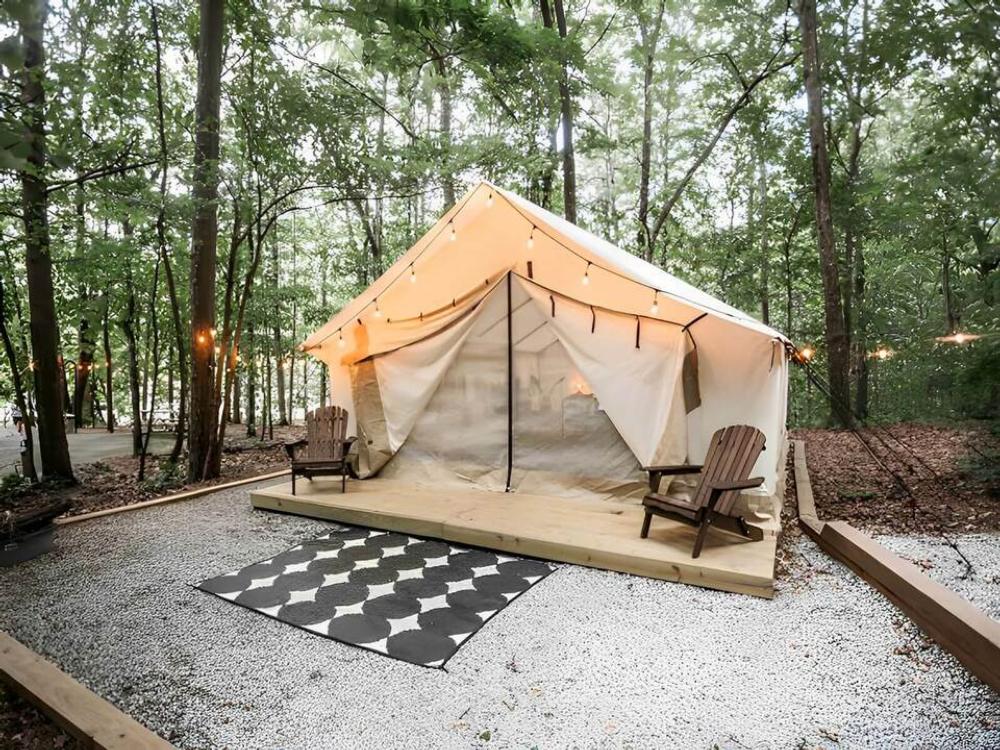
(409, 598)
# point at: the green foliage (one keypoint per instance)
(336, 154)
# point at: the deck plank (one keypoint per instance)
(600, 534)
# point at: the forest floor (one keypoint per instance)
(110, 481)
(951, 473)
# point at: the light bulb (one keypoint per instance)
(531, 238)
(340, 341)
(586, 276)
(489, 201)
(453, 235)
(413, 275)
(655, 309)
(378, 313)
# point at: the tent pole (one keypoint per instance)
(510, 388)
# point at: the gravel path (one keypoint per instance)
(85, 447)
(585, 659)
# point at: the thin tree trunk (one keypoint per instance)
(128, 327)
(28, 452)
(765, 259)
(836, 335)
(953, 316)
(161, 238)
(650, 38)
(444, 122)
(82, 385)
(252, 384)
(204, 237)
(109, 395)
(154, 328)
(566, 110)
(276, 332)
(38, 260)
(786, 254)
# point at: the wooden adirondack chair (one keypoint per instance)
(324, 451)
(731, 456)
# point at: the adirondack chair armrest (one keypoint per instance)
(294, 445)
(738, 484)
(658, 472)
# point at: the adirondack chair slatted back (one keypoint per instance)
(731, 456)
(326, 429)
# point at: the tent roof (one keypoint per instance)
(482, 238)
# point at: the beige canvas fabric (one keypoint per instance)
(431, 337)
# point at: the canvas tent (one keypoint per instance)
(512, 350)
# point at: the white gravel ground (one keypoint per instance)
(585, 659)
(941, 561)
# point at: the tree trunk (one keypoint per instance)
(252, 384)
(279, 363)
(161, 215)
(128, 328)
(650, 38)
(38, 261)
(204, 237)
(836, 335)
(28, 452)
(566, 110)
(86, 345)
(953, 316)
(444, 123)
(765, 259)
(109, 394)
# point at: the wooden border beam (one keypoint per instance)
(78, 711)
(188, 495)
(954, 623)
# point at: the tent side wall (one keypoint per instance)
(742, 377)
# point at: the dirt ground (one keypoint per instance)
(22, 726)
(946, 477)
(111, 482)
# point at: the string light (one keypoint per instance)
(377, 313)
(883, 353)
(655, 309)
(805, 354)
(531, 237)
(213, 332)
(586, 275)
(340, 341)
(201, 338)
(958, 338)
(413, 275)
(489, 201)
(453, 235)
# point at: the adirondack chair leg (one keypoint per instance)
(702, 533)
(645, 525)
(343, 481)
(293, 482)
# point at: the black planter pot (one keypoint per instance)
(14, 550)
(28, 534)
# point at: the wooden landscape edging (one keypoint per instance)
(78, 711)
(954, 623)
(187, 495)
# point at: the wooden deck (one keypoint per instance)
(585, 532)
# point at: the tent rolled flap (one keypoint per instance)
(485, 370)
